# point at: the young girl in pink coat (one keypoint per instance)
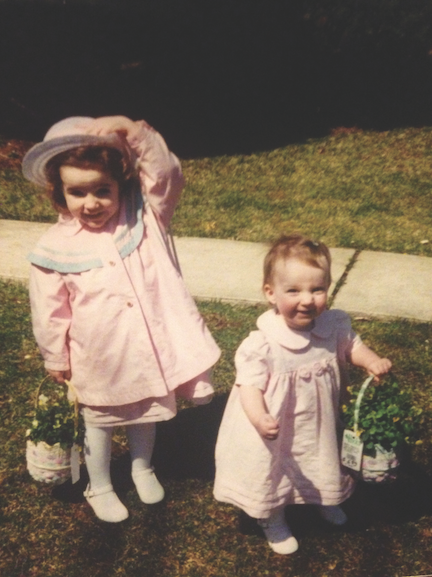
(110, 310)
(278, 442)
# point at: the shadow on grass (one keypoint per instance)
(185, 450)
(185, 445)
(407, 499)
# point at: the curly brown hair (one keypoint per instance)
(103, 158)
(300, 247)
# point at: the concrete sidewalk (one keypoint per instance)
(377, 284)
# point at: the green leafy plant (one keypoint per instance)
(55, 421)
(387, 417)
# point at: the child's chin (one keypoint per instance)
(93, 223)
(301, 325)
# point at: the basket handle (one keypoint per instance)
(359, 400)
(71, 388)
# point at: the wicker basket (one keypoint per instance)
(49, 463)
(383, 468)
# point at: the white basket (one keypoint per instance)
(383, 468)
(48, 464)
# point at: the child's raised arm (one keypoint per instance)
(160, 171)
(363, 356)
(109, 124)
(253, 404)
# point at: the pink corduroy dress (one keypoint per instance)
(300, 374)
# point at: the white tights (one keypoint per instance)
(97, 450)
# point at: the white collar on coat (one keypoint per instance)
(68, 247)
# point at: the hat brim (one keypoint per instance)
(35, 161)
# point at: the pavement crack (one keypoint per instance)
(343, 278)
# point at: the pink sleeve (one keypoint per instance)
(51, 316)
(252, 362)
(160, 171)
(347, 340)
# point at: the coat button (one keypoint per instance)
(112, 263)
(129, 304)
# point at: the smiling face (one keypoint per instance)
(298, 291)
(91, 195)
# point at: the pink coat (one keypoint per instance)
(111, 306)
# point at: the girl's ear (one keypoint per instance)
(269, 293)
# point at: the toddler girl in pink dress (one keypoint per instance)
(278, 442)
(110, 310)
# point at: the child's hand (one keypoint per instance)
(109, 124)
(267, 427)
(363, 356)
(379, 367)
(60, 376)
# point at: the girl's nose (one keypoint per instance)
(306, 298)
(91, 202)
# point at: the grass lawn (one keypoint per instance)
(49, 532)
(362, 190)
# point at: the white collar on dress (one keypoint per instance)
(273, 325)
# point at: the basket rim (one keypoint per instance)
(49, 447)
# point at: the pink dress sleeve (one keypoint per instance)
(348, 340)
(51, 316)
(160, 171)
(252, 361)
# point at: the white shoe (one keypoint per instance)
(202, 400)
(279, 536)
(106, 504)
(149, 489)
(333, 514)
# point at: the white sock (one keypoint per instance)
(333, 514)
(97, 453)
(141, 443)
(99, 493)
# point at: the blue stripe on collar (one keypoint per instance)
(71, 254)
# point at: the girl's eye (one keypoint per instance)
(77, 193)
(103, 191)
(292, 291)
(318, 290)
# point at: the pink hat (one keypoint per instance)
(65, 135)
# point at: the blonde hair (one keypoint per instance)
(296, 246)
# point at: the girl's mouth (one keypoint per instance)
(93, 216)
(305, 315)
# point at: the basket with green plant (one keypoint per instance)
(55, 435)
(384, 418)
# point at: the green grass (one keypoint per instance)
(363, 190)
(53, 533)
